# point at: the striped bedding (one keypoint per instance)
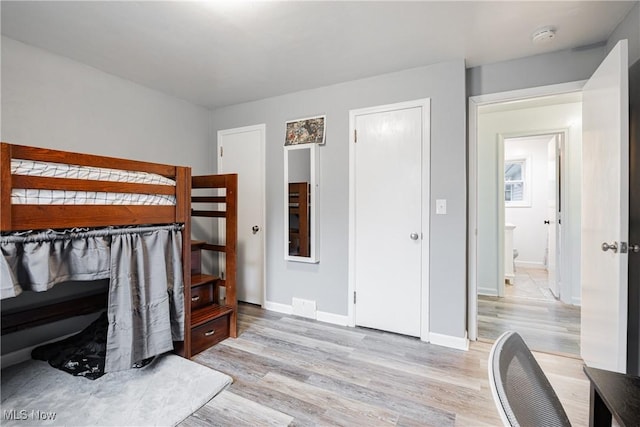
(65, 197)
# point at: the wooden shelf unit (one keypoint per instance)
(299, 210)
(210, 319)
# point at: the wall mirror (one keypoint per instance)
(301, 203)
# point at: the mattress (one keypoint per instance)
(26, 196)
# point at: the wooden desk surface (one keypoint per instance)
(620, 392)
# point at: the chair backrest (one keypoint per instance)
(521, 391)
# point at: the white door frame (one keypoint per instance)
(474, 103)
(263, 132)
(425, 104)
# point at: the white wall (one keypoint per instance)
(327, 282)
(529, 236)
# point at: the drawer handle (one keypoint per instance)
(209, 333)
(196, 298)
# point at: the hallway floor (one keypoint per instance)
(529, 308)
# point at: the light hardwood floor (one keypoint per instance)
(529, 308)
(293, 371)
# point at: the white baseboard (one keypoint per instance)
(459, 343)
(491, 292)
(334, 319)
(321, 316)
(576, 301)
(278, 308)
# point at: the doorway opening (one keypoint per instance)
(527, 252)
(533, 214)
(529, 298)
(596, 214)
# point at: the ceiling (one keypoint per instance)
(218, 53)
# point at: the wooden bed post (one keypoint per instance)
(183, 215)
(230, 243)
(5, 187)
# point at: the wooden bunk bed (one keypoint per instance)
(30, 216)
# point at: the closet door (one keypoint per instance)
(241, 151)
(389, 236)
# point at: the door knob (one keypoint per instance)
(613, 246)
(255, 229)
(414, 236)
(547, 221)
(634, 248)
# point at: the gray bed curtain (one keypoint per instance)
(146, 300)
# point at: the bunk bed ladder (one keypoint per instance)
(210, 316)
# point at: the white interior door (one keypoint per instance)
(241, 151)
(605, 213)
(552, 232)
(388, 219)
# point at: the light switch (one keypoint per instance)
(441, 206)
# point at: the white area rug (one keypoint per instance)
(161, 394)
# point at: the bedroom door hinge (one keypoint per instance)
(221, 151)
(355, 139)
(354, 297)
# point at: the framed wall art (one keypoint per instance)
(305, 131)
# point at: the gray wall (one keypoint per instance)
(327, 282)
(533, 71)
(628, 29)
(50, 101)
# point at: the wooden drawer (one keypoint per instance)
(202, 295)
(208, 334)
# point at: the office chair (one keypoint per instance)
(521, 391)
